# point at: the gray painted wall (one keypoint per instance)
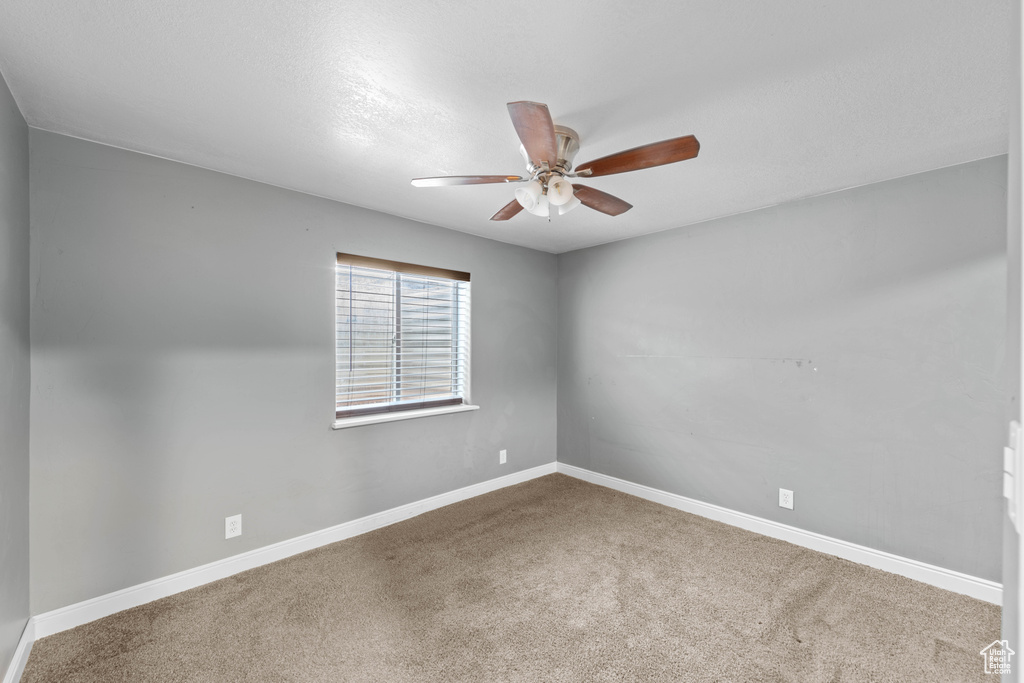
(1014, 274)
(14, 377)
(183, 360)
(849, 347)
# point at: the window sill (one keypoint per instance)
(347, 422)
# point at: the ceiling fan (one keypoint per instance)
(549, 151)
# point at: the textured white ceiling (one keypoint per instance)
(350, 100)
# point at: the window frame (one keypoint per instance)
(353, 417)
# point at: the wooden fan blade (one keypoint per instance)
(464, 180)
(600, 201)
(645, 156)
(507, 211)
(536, 130)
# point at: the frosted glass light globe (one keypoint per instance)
(559, 190)
(529, 195)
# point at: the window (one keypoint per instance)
(402, 338)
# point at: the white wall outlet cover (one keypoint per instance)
(502, 456)
(232, 526)
(786, 499)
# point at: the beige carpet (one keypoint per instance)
(551, 580)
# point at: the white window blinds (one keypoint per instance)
(402, 336)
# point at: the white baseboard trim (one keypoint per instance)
(21, 653)
(982, 589)
(80, 613)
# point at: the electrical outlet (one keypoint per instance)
(785, 499)
(232, 526)
(502, 456)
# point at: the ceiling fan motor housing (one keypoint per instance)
(568, 144)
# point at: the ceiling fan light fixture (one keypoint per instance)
(569, 205)
(529, 195)
(542, 208)
(559, 190)
(549, 152)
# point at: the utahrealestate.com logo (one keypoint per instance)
(997, 657)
